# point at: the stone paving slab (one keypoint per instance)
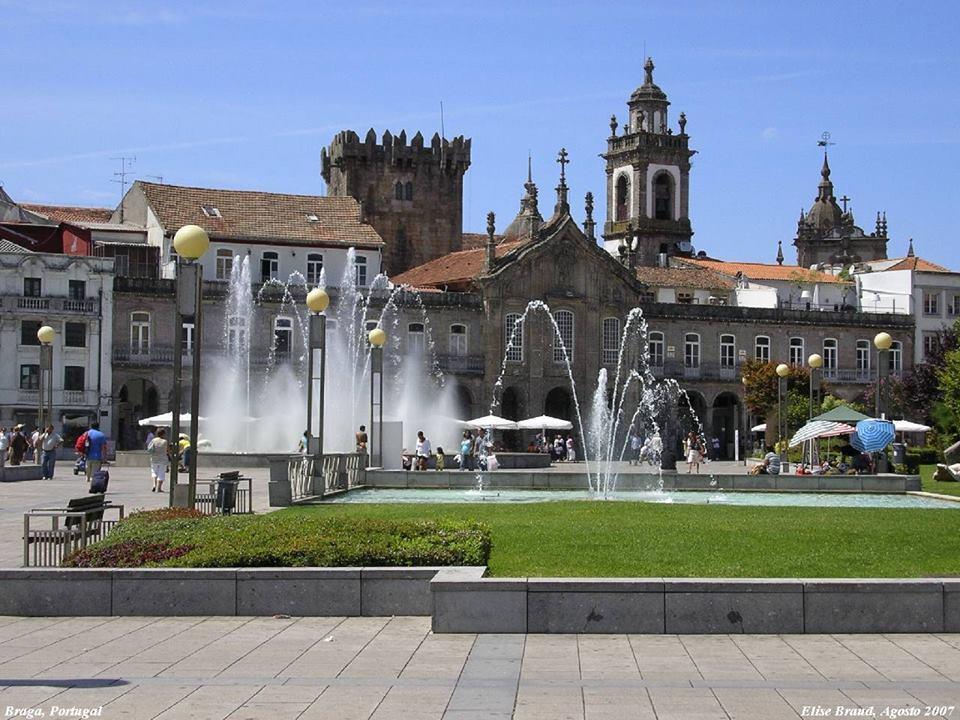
(246, 668)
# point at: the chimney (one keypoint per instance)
(491, 250)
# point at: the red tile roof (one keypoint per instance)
(252, 216)
(472, 241)
(684, 277)
(70, 214)
(454, 269)
(764, 271)
(918, 264)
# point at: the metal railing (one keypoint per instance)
(677, 369)
(157, 354)
(300, 475)
(342, 471)
(461, 364)
(206, 500)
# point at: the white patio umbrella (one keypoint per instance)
(492, 422)
(166, 419)
(545, 422)
(820, 428)
(905, 426)
(762, 427)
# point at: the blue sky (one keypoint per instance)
(243, 95)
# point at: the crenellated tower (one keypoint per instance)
(648, 178)
(411, 192)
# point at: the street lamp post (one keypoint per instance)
(45, 335)
(317, 303)
(815, 362)
(783, 370)
(190, 243)
(882, 341)
(377, 338)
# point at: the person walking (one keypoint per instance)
(4, 445)
(35, 444)
(184, 450)
(423, 451)
(466, 451)
(49, 442)
(95, 447)
(636, 442)
(571, 453)
(18, 445)
(158, 451)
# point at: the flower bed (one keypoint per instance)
(173, 537)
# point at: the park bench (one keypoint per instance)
(206, 497)
(72, 527)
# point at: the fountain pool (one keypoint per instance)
(659, 497)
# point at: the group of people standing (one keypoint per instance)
(41, 446)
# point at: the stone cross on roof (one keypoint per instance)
(562, 159)
(844, 200)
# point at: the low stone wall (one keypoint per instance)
(465, 602)
(219, 591)
(16, 473)
(520, 480)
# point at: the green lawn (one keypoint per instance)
(625, 539)
(931, 485)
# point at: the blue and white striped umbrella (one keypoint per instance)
(873, 435)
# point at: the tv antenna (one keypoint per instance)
(824, 140)
(158, 178)
(125, 163)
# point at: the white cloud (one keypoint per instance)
(770, 134)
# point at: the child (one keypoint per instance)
(439, 459)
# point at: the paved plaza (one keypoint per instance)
(395, 668)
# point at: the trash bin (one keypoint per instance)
(899, 454)
(226, 495)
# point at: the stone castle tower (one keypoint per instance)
(827, 235)
(648, 179)
(411, 193)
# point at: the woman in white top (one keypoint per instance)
(423, 450)
(157, 450)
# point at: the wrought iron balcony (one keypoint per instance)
(461, 364)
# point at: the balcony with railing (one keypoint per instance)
(162, 355)
(461, 364)
(678, 370)
(48, 304)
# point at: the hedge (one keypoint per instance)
(171, 538)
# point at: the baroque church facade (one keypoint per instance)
(699, 337)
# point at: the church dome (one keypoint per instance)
(825, 213)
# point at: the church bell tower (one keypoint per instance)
(648, 179)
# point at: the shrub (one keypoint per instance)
(287, 540)
(131, 553)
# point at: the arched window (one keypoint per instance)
(139, 333)
(314, 268)
(408, 191)
(415, 342)
(269, 266)
(622, 197)
(863, 360)
(691, 350)
(796, 351)
(829, 356)
(360, 271)
(564, 320)
(728, 351)
(458, 340)
(761, 348)
(896, 357)
(224, 263)
(663, 197)
(611, 340)
(283, 336)
(513, 337)
(655, 344)
(398, 190)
